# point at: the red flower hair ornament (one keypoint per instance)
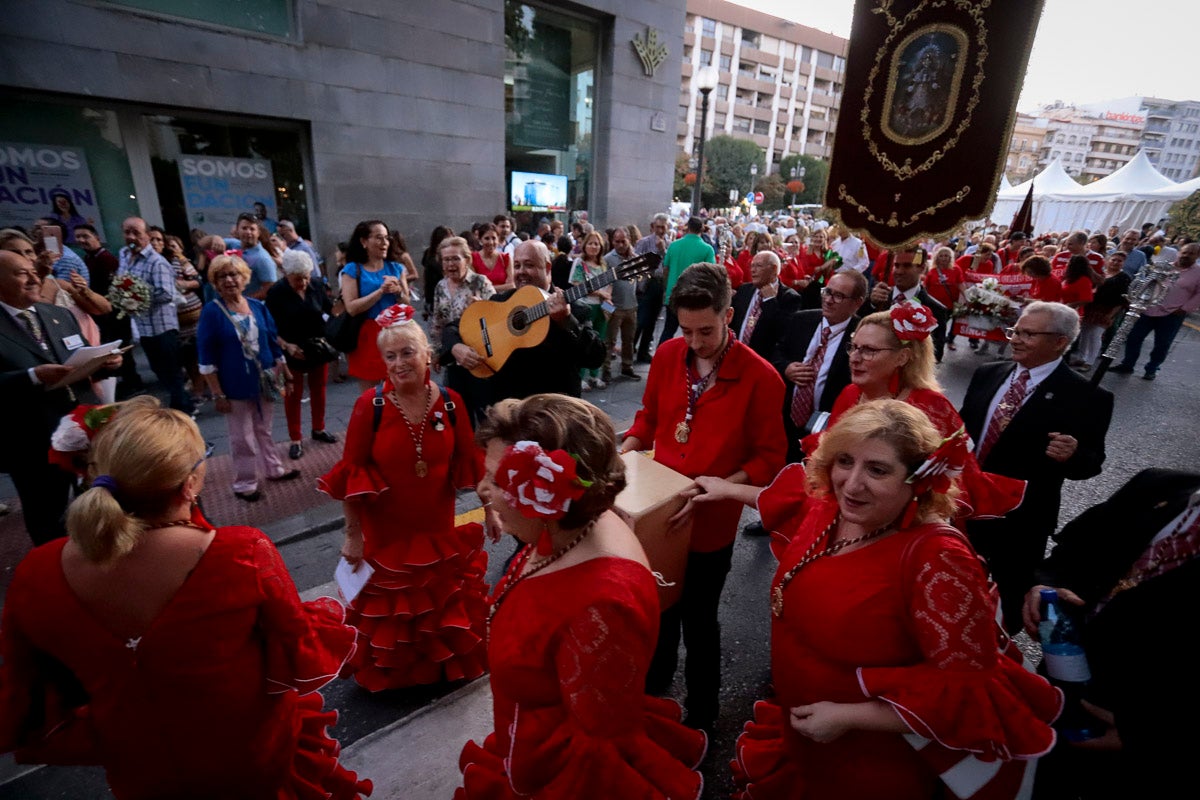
(398, 314)
(938, 471)
(71, 440)
(912, 321)
(540, 485)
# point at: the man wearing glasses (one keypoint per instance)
(812, 358)
(1034, 419)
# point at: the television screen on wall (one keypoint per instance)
(537, 191)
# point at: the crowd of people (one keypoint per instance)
(796, 373)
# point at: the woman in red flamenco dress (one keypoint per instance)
(891, 357)
(409, 446)
(892, 679)
(572, 625)
(178, 657)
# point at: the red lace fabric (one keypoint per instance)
(217, 698)
(982, 495)
(569, 651)
(420, 617)
(906, 620)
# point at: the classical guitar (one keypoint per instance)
(495, 329)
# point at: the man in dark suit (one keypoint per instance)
(1109, 561)
(761, 307)
(901, 282)
(1036, 420)
(35, 339)
(814, 383)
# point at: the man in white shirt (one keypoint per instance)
(851, 249)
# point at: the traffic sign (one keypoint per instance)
(758, 198)
(749, 197)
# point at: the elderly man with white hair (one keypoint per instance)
(299, 308)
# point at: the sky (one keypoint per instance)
(1085, 50)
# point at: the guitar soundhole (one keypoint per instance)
(516, 321)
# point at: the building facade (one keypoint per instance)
(780, 82)
(1067, 139)
(336, 111)
(1172, 136)
(1114, 144)
(1024, 148)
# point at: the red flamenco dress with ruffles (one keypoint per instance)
(982, 495)
(217, 698)
(906, 620)
(420, 617)
(569, 652)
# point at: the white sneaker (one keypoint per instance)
(598, 384)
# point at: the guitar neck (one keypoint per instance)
(572, 294)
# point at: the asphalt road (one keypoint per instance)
(1154, 425)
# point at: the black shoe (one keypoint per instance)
(1149, 376)
(642, 360)
(290, 475)
(1121, 369)
(630, 374)
(324, 436)
(701, 722)
(754, 529)
(249, 497)
(295, 452)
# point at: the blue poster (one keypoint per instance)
(217, 189)
(38, 180)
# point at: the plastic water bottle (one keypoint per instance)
(1067, 666)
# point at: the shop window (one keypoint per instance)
(272, 17)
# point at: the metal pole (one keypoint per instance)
(700, 155)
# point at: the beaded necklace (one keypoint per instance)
(417, 434)
(696, 384)
(811, 555)
(515, 575)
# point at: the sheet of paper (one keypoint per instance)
(86, 360)
(350, 581)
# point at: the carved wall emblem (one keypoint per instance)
(650, 50)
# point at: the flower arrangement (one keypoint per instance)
(130, 295)
(72, 438)
(987, 303)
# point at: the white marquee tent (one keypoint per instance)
(1132, 195)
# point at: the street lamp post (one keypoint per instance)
(705, 80)
(797, 174)
(753, 175)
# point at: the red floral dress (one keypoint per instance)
(906, 620)
(569, 652)
(983, 495)
(217, 698)
(420, 616)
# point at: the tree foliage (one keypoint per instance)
(727, 166)
(816, 173)
(1185, 216)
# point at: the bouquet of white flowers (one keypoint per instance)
(986, 305)
(129, 295)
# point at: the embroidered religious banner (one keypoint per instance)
(990, 303)
(927, 110)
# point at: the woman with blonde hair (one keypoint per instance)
(572, 625)
(240, 357)
(888, 667)
(409, 449)
(459, 287)
(185, 663)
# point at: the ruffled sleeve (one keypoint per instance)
(606, 739)
(786, 503)
(306, 643)
(355, 476)
(965, 694)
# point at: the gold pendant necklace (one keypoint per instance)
(421, 468)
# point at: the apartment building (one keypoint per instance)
(780, 82)
(1171, 137)
(1114, 144)
(1024, 148)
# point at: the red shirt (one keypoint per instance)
(1058, 264)
(1077, 291)
(1048, 289)
(737, 425)
(944, 285)
(965, 264)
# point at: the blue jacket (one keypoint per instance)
(218, 344)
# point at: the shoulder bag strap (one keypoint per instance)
(377, 402)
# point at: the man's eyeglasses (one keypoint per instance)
(1025, 336)
(867, 352)
(836, 296)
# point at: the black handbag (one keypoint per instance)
(318, 350)
(342, 329)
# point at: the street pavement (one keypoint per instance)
(408, 741)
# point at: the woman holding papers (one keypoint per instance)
(409, 447)
(573, 624)
(177, 656)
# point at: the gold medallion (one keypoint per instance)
(682, 432)
(777, 602)
(421, 468)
